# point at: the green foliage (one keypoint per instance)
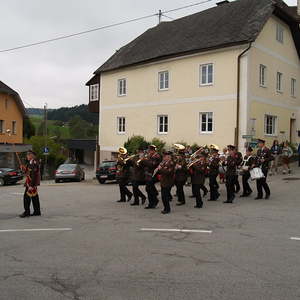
(160, 144)
(55, 157)
(195, 147)
(134, 143)
(28, 128)
(80, 129)
(65, 114)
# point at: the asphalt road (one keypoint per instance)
(103, 254)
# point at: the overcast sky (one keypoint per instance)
(56, 73)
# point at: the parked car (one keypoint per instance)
(70, 172)
(10, 176)
(106, 171)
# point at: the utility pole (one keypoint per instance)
(159, 16)
(45, 141)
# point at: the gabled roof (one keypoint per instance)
(229, 24)
(5, 89)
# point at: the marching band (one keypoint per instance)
(175, 167)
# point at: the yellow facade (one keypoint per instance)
(186, 99)
(9, 113)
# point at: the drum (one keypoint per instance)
(256, 173)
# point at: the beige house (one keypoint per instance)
(216, 76)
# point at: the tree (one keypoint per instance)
(160, 144)
(78, 128)
(28, 128)
(136, 142)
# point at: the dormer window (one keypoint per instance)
(94, 92)
(279, 33)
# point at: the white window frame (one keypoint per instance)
(121, 125)
(262, 75)
(206, 122)
(206, 83)
(293, 87)
(279, 82)
(164, 123)
(2, 130)
(94, 92)
(122, 87)
(279, 33)
(14, 127)
(165, 81)
(274, 125)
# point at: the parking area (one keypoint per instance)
(88, 246)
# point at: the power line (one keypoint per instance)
(167, 17)
(161, 13)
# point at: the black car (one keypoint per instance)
(106, 171)
(10, 176)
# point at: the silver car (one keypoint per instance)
(70, 172)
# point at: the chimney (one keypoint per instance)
(224, 2)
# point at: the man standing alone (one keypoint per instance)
(32, 171)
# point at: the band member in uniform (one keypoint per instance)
(213, 172)
(123, 173)
(32, 171)
(198, 170)
(181, 173)
(248, 162)
(230, 174)
(150, 163)
(166, 169)
(263, 159)
(239, 161)
(138, 178)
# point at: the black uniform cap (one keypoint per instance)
(152, 147)
(31, 152)
(168, 153)
(249, 149)
(231, 147)
(261, 141)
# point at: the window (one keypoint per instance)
(14, 127)
(163, 80)
(206, 122)
(94, 92)
(279, 82)
(206, 74)
(2, 126)
(270, 125)
(121, 87)
(279, 33)
(121, 125)
(293, 87)
(163, 124)
(262, 75)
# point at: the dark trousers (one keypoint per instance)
(35, 203)
(214, 186)
(180, 192)
(236, 183)
(152, 193)
(246, 186)
(165, 197)
(196, 188)
(202, 187)
(230, 187)
(137, 192)
(262, 184)
(298, 160)
(124, 191)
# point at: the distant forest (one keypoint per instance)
(65, 114)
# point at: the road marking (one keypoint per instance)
(35, 229)
(176, 230)
(295, 238)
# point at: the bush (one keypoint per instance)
(134, 143)
(195, 147)
(160, 144)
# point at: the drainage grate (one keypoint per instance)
(291, 178)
